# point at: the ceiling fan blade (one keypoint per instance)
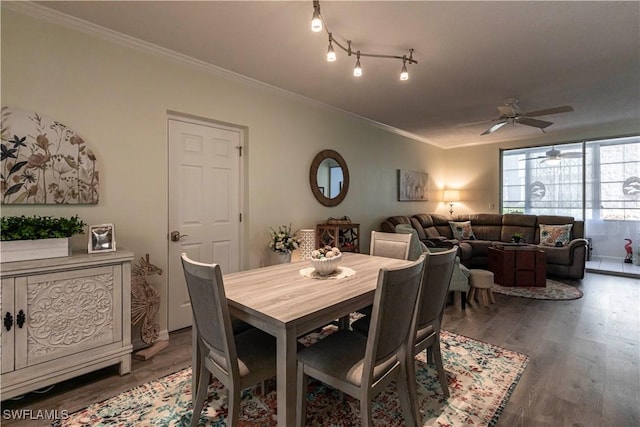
(494, 128)
(541, 124)
(571, 155)
(548, 111)
(533, 158)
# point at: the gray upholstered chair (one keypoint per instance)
(437, 277)
(238, 361)
(390, 245)
(363, 366)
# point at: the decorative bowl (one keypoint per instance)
(326, 266)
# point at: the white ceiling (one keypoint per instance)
(471, 56)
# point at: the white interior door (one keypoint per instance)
(204, 205)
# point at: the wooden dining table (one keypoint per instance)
(287, 304)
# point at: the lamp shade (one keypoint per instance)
(451, 196)
(307, 243)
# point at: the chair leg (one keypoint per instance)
(301, 405)
(201, 394)
(463, 298)
(493, 301)
(365, 411)
(437, 357)
(234, 406)
(412, 386)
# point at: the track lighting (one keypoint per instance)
(316, 20)
(331, 54)
(357, 71)
(317, 24)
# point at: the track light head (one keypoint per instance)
(404, 74)
(357, 71)
(316, 20)
(331, 54)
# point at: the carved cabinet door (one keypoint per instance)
(67, 312)
(8, 324)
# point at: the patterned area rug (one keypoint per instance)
(554, 291)
(481, 379)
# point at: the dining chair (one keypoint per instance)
(363, 366)
(435, 287)
(390, 245)
(237, 361)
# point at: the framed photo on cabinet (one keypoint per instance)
(101, 238)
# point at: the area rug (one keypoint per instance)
(554, 291)
(481, 379)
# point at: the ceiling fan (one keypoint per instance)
(553, 156)
(510, 113)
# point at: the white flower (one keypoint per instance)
(329, 254)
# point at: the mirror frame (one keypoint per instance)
(313, 177)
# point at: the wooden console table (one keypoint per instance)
(64, 317)
(345, 237)
(518, 265)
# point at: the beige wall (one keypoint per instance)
(117, 98)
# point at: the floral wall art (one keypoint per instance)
(44, 162)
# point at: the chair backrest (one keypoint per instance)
(211, 313)
(394, 308)
(390, 245)
(437, 277)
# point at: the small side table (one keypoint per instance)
(345, 237)
(518, 265)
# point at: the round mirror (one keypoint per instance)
(329, 178)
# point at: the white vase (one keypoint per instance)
(276, 258)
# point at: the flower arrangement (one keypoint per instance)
(325, 252)
(283, 240)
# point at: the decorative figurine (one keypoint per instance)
(629, 258)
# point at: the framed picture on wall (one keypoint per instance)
(101, 238)
(412, 186)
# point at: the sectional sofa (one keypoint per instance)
(561, 237)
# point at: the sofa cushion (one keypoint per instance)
(462, 230)
(555, 235)
(485, 226)
(519, 223)
(558, 256)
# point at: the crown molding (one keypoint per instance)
(58, 18)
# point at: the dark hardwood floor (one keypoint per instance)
(584, 367)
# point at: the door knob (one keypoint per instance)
(175, 236)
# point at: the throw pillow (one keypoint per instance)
(414, 246)
(555, 235)
(462, 230)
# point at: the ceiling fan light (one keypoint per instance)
(552, 161)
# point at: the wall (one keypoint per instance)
(117, 97)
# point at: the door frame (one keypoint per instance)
(243, 131)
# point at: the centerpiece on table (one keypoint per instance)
(325, 260)
(282, 242)
(518, 238)
(36, 237)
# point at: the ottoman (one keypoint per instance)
(480, 283)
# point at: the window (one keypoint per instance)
(590, 180)
(595, 181)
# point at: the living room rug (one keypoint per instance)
(481, 379)
(554, 291)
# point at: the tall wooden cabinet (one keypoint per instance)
(63, 317)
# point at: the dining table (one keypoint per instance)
(290, 300)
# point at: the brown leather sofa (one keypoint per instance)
(434, 230)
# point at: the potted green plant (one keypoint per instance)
(517, 238)
(35, 237)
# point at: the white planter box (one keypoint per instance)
(23, 250)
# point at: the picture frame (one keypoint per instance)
(101, 238)
(413, 186)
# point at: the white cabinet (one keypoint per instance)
(64, 317)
